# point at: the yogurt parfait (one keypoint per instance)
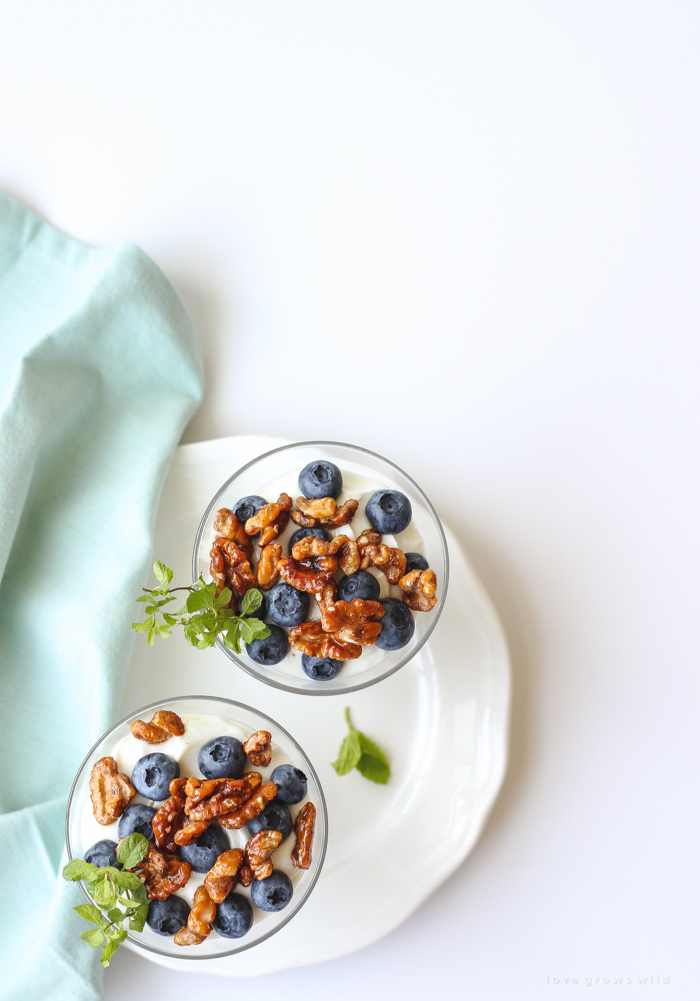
(349, 554)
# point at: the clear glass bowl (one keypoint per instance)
(364, 472)
(80, 825)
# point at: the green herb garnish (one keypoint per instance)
(358, 751)
(204, 616)
(118, 895)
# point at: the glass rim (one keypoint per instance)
(259, 675)
(188, 956)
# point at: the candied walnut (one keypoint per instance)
(350, 621)
(164, 724)
(310, 639)
(230, 567)
(270, 520)
(110, 791)
(199, 921)
(318, 509)
(245, 875)
(192, 830)
(419, 587)
(343, 514)
(250, 809)
(258, 851)
(258, 749)
(221, 878)
(268, 574)
(310, 574)
(226, 795)
(171, 816)
(299, 518)
(227, 526)
(162, 873)
(323, 511)
(304, 833)
(373, 552)
(347, 554)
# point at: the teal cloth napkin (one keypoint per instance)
(99, 373)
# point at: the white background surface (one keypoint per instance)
(464, 235)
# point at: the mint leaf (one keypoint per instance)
(102, 892)
(163, 575)
(94, 937)
(374, 769)
(252, 600)
(110, 948)
(78, 869)
(196, 601)
(89, 912)
(127, 880)
(138, 920)
(132, 850)
(349, 754)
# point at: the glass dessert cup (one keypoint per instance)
(364, 472)
(265, 923)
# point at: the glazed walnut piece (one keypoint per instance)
(309, 638)
(211, 798)
(258, 749)
(310, 567)
(323, 511)
(199, 921)
(373, 552)
(171, 816)
(192, 830)
(230, 567)
(227, 526)
(304, 833)
(258, 851)
(250, 809)
(419, 587)
(161, 873)
(270, 520)
(221, 878)
(110, 791)
(353, 621)
(268, 574)
(164, 724)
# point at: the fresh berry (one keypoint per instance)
(104, 853)
(205, 851)
(415, 561)
(137, 818)
(362, 584)
(259, 612)
(291, 783)
(222, 758)
(270, 650)
(153, 774)
(246, 507)
(286, 606)
(302, 533)
(389, 511)
(168, 916)
(234, 917)
(273, 893)
(320, 668)
(397, 625)
(275, 817)
(320, 479)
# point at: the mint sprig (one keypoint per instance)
(118, 895)
(358, 751)
(204, 616)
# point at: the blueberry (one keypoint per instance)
(397, 625)
(416, 561)
(273, 893)
(291, 783)
(234, 917)
(286, 606)
(275, 817)
(153, 774)
(103, 853)
(259, 613)
(137, 818)
(246, 507)
(362, 584)
(301, 533)
(320, 479)
(389, 511)
(222, 758)
(321, 668)
(205, 851)
(270, 650)
(168, 916)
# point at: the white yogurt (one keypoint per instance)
(199, 730)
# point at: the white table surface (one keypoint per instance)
(464, 235)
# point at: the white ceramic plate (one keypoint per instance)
(442, 720)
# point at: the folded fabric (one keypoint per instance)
(99, 373)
